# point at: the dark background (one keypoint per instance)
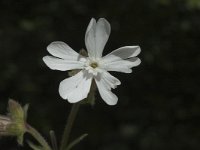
(159, 103)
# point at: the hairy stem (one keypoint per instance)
(69, 125)
(38, 137)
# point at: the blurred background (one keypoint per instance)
(159, 103)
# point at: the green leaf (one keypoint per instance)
(53, 140)
(76, 141)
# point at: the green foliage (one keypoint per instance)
(193, 4)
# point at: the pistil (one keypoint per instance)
(94, 65)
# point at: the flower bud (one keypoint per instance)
(15, 123)
(4, 123)
(16, 112)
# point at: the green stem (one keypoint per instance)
(69, 125)
(53, 140)
(38, 137)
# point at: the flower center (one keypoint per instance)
(94, 65)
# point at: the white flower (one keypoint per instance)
(77, 87)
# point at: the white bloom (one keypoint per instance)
(77, 87)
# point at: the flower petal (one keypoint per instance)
(96, 37)
(102, 34)
(62, 50)
(122, 65)
(63, 65)
(109, 80)
(90, 38)
(122, 53)
(77, 87)
(104, 83)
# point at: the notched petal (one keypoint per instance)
(61, 64)
(109, 97)
(105, 82)
(76, 88)
(62, 50)
(96, 36)
(103, 30)
(122, 53)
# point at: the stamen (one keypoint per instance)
(94, 65)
